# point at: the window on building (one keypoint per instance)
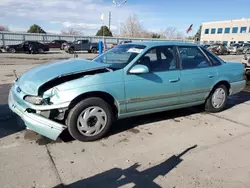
(219, 31)
(206, 31)
(225, 43)
(213, 30)
(227, 30)
(235, 30)
(243, 29)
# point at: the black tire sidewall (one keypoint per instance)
(209, 106)
(76, 111)
(12, 50)
(93, 50)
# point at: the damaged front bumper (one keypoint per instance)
(31, 118)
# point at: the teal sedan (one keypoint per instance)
(132, 79)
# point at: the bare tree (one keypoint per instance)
(180, 35)
(170, 33)
(132, 27)
(4, 28)
(71, 31)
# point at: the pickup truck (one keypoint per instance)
(81, 45)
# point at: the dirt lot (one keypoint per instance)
(181, 148)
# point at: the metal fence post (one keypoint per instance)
(23, 37)
(3, 39)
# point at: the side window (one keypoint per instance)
(214, 60)
(79, 42)
(159, 59)
(192, 58)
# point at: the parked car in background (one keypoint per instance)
(239, 48)
(27, 46)
(246, 48)
(218, 49)
(125, 42)
(206, 45)
(134, 79)
(65, 44)
(55, 43)
(81, 45)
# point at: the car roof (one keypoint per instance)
(163, 43)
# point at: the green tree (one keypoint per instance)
(197, 36)
(156, 35)
(104, 31)
(36, 29)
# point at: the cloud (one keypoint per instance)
(61, 14)
(85, 26)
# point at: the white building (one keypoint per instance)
(227, 32)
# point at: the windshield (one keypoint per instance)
(120, 56)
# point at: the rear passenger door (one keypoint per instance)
(198, 76)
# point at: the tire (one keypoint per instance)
(40, 51)
(71, 50)
(210, 104)
(94, 50)
(12, 50)
(91, 106)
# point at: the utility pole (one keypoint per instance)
(109, 19)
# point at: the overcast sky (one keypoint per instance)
(56, 15)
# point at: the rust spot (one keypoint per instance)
(176, 120)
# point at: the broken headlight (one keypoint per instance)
(34, 99)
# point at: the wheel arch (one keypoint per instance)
(100, 94)
(224, 82)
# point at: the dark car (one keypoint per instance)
(81, 45)
(56, 43)
(27, 46)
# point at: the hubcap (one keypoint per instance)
(218, 98)
(92, 121)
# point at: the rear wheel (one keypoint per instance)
(12, 50)
(94, 50)
(217, 99)
(71, 50)
(40, 51)
(90, 119)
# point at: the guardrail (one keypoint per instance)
(8, 38)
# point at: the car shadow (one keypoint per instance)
(9, 122)
(117, 177)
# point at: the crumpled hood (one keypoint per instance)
(31, 80)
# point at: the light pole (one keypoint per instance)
(118, 4)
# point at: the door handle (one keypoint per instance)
(211, 76)
(174, 80)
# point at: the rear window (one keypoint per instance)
(215, 60)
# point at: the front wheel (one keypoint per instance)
(90, 119)
(217, 99)
(94, 50)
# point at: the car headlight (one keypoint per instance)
(34, 99)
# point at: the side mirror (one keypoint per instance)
(139, 69)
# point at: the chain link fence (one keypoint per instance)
(8, 38)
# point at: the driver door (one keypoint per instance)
(158, 88)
